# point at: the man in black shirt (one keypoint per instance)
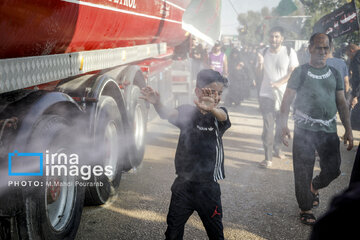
(197, 58)
(199, 159)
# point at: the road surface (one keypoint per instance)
(257, 203)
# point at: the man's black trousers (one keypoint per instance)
(304, 145)
(187, 197)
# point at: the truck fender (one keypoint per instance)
(104, 85)
(127, 77)
(133, 76)
(44, 103)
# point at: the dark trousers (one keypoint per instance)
(355, 173)
(187, 197)
(271, 121)
(341, 221)
(304, 145)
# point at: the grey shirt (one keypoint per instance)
(340, 65)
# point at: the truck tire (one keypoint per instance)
(138, 113)
(51, 212)
(109, 151)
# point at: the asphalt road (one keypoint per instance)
(257, 203)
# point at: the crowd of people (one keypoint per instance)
(238, 65)
(317, 85)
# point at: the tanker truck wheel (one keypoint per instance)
(137, 120)
(52, 210)
(108, 151)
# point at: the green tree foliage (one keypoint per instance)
(286, 7)
(252, 26)
(255, 25)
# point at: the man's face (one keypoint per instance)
(276, 40)
(319, 51)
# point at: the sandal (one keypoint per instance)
(305, 217)
(316, 200)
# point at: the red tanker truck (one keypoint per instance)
(71, 120)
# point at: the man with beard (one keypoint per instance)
(275, 65)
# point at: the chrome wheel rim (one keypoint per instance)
(138, 127)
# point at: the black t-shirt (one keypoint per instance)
(199, 154)
(197, 50)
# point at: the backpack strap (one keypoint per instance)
(265, 51)
(304, 70)
(288, 49)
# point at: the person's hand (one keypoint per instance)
(260, 59)
(285, 135)
(208, 100)
(348, 139)
(275, 84)
(150, 95)
(354, 101)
